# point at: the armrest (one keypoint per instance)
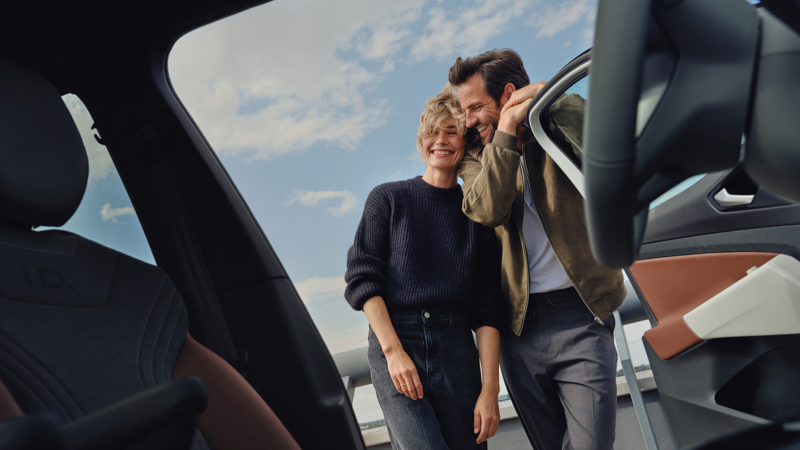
(162, 417)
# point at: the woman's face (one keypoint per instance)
(444, 148)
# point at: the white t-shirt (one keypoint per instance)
(545, 272)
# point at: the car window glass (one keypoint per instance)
(563, 120)
(106, 214)
(680, 187)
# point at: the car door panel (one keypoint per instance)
(713, 387)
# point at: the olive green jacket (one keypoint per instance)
(494, 196)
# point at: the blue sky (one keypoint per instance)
(312, 103)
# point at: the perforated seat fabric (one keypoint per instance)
(71, 343)
(82, 326)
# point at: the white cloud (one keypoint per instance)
(257, 87)
(100, 164)
(465, 31)
(414, 157)
(387, 37)
(394, 176)
(550, 21)
(316, 288)
(591, 17)
(110, 214)
(341, 327)
(588, 36)
(313, 198)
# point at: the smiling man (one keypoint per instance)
(559, 361)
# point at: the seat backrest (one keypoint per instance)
(83, 326)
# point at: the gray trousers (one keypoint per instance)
(561, 374)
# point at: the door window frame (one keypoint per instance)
(569, 168)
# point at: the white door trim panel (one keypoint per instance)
(766, 302)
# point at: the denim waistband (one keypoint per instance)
(558, 296)
(425, 316)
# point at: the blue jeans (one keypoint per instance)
(443, 349)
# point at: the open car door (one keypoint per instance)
(717, 275)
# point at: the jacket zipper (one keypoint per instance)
(575, 285)
(524, 247)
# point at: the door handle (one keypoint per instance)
(727, 200)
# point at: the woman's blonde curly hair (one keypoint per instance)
(439, 109)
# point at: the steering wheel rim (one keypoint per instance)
(609, 132)
(701, 56)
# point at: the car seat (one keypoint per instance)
(82, 326)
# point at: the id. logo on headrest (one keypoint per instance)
(48, 278)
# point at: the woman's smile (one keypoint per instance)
(444, 148)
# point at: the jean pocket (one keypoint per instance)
(407, 327)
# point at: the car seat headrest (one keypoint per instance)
(43, 164)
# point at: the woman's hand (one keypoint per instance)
(487, 411)
(404, 373)
(401, 368)
(487, 415)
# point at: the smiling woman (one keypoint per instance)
(442, 138)
(425, 276)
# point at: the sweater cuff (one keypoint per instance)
(505, 140)
(364, 294)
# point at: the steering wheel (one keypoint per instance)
(669, 91)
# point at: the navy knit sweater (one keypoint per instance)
(416, 249)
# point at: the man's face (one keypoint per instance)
(481, 110)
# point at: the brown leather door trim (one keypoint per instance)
(236, 416)
(675, 285)
(8, 406)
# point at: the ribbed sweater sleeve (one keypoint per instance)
(367, 258)
(490, 306)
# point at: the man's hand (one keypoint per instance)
(513, 116)
(520, 95)
(515, 109)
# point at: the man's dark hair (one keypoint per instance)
(497, 68)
